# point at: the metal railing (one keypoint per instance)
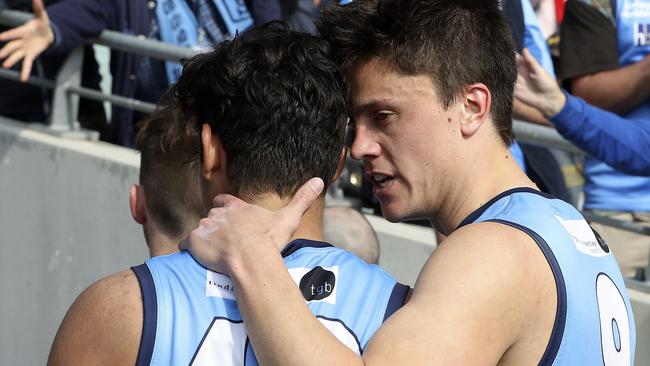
(67, 90)
(67, 85)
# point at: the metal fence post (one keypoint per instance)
(65, 105)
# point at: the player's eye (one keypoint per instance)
(383, 117)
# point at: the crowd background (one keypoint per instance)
(596, 49)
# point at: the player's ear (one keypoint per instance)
(137, 204)
(476, 103)
(341, 164)
(212, 151)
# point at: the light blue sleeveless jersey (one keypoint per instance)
(594, 324)
(606, 188)
(191, 316)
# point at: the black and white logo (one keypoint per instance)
(316, 284)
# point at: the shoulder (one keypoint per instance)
(103, 325)
(491, 269)
(482, 283)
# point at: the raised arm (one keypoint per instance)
(56, 29)
(103, 326)
(622, 143)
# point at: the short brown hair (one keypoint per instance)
(456, 42)
(169, 172)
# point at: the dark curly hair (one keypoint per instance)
(276, 100)
(456, 42)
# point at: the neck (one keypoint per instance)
(489, 172)
(311, 224)
(159, 243)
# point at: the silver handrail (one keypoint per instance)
(163, 51)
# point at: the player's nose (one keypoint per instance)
(364, 144)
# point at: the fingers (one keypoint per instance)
(9, 48)
(532, 63)
(15, 33)
(224, 200)
(27, 68)
(304, 198)
(13, 59)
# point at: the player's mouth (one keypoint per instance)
(379, 181)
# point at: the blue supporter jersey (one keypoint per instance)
(594, 324)
(606, 188)
(534, 41)
(191, 315)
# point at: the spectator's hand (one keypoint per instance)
(536, 88)
(235, 231)
(28, 41)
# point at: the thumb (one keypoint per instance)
(38, 8)
(534, 66)
(303, 199)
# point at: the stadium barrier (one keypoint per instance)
(62, 123)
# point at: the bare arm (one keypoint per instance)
(529, 114)
(103, 326)
(619, 90)
(455, 300)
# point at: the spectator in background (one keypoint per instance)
(604, 60)
(32, 103)
(168, 202)
(553, 171)
(189, 23)
(298, 14)
(348, 229)
(622, 143)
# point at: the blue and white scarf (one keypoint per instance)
(179, 24)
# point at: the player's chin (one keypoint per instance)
(393, 212)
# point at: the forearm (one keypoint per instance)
(619, 142)
(281, 328)
(631, 85)
(527, 113)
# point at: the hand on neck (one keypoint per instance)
(311, 226)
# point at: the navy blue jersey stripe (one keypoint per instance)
(560, 314)
(397, 299)
(479, 211)
(150, 314)
(298, 244)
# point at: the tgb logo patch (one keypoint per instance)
(316, 284)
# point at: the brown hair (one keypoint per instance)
(169, 172)
(456, 42)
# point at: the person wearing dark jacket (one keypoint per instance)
(32, 103)
(189, 23)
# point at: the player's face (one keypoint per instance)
(403, 135)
